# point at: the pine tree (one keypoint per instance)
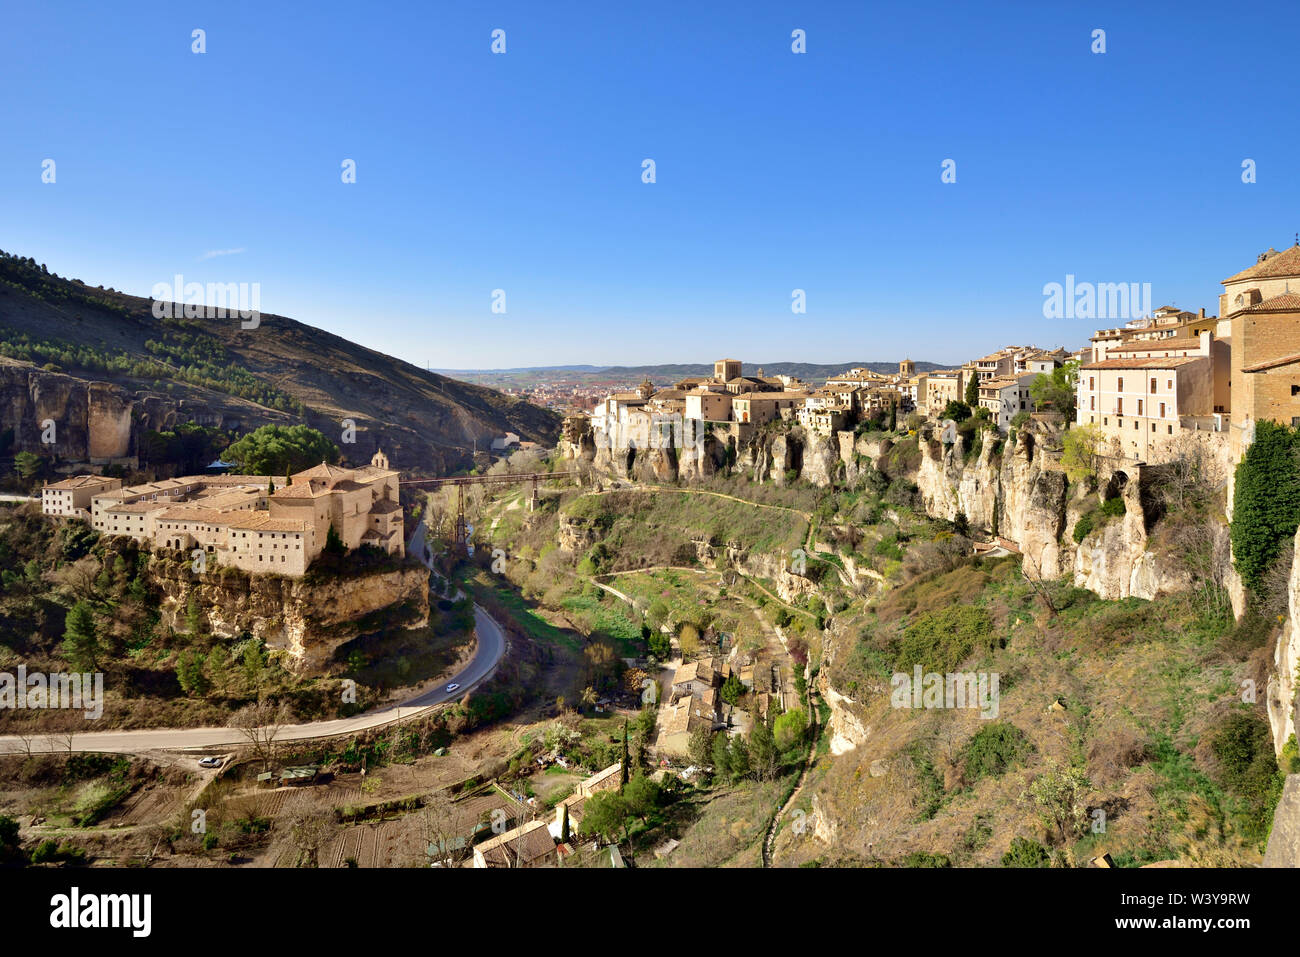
(973, 391)
(80, 639)
(623, 774)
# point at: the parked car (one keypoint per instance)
(209, 762)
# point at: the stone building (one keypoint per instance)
(242, 521)
(1262, 313)
(71, 497)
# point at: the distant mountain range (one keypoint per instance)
(85, 356)
(670, 372)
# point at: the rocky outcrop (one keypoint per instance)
(576, 534)
(821, 460)
(1113, 561)
(1286, 663)
(304, 618)
(846, 730)
(1012, 491)
(1284, 840)
(691, 450)
(91, 421)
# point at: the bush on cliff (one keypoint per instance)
(940, 641)
(1266, 507)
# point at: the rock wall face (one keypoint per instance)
(108, 422)
(1284, 840)
(95, 422)
(305, 619)
(29, 397)
(1286, 662)
(1015, 492)
(698, 450)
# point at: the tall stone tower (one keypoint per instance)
(724, 370)
(907, 368)
(379, 460)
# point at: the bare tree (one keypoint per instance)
(308, 829)
(1043, 589)
(447, 829)
(260, 724)
(78, 579)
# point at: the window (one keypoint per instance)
(1162, 410)
(1120, 386)
(1119, 403)
(1169, 384)
(1139, 406)
(1153, 384)
(1295, 389)
(1092, 382)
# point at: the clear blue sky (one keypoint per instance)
(775, 171)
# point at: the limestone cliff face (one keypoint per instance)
(1286, 662)
(576, 534)
(92, 421)
(1016, 492)
(821, 460)
(305, 619)
(1284, 839)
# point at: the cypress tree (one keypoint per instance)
(623, 775)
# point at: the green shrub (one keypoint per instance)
(926, 859)
(940, 641)
(1243, 747)
(1266, 504)
(1113, 507)
(1083, 527)
(1026, 853)
(994, 749)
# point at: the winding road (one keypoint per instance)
(491, 647)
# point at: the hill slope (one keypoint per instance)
(59, 336)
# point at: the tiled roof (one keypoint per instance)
(260, 522)
(1286, 302)
(80, 481)
(1272, 363)
(1147, 345)
(1285, 263)
(322, 471)
(530, 842)
(209, 516)
(1157, 363)
(136, 508)
(1001, 382)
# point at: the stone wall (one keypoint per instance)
(305, 619)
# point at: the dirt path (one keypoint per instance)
(814, 734)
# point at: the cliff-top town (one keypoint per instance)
(1146, 385)
(594, 438)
